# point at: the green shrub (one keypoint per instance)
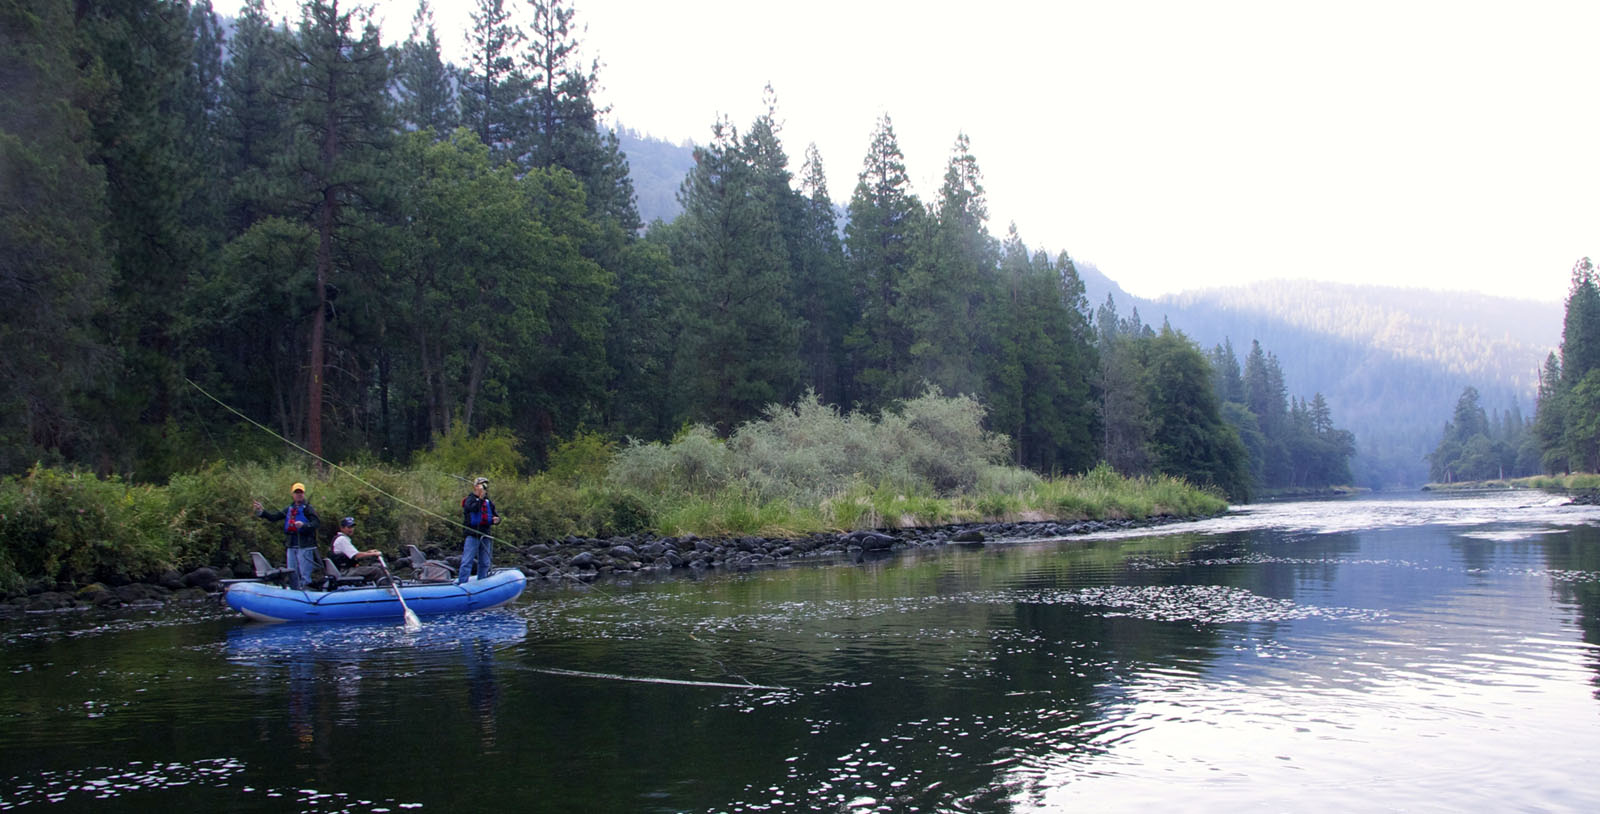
(73, 527)
(491, 453)
(581, 460)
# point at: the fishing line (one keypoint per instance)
(353, 476)
(681, 682)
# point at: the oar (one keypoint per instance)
(412, 623)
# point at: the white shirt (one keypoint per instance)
(342, 545)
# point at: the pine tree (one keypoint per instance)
(253, 120)
(1550, 417)
(1188, 437)
(736, 349)
(53, 259)
(494, 88)
(342, 125)
(952, 278)
(425, 87)
(566, 129)
(884, 220)
(821, 285)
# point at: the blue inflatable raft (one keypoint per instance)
(271, 603)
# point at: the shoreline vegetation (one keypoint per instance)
(804, 480)
(1576, 482)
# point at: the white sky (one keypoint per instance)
(1176, 145)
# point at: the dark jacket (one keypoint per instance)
(305, 536)
(478, 514)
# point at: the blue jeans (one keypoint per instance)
(474, 556)
(302, 564)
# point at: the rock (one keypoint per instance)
(968, 536)
(87, 592)
(49, 601)
(624, 552)
(202, 577)
(136, 592)
(583, 559)
(171, 579)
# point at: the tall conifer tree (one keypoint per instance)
(884, 218)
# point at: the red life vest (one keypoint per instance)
(289, 516)
(484, 516)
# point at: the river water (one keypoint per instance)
(1417, 653)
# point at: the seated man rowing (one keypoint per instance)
(345, 554)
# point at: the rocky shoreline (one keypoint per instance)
(583, 559)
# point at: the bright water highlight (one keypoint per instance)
(1383, 653)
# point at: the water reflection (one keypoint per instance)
(1574, 558)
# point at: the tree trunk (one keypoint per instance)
(480, 361)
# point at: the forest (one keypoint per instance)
(367, 249)
(1564, 434)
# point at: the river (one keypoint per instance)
(1416, 652)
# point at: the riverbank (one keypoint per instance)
(1583, 486)
(587, 559)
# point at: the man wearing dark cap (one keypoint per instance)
(346, 557)
(479, 516)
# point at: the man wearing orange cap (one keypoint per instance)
(299, 535)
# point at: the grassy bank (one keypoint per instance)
(1575, 482)
(800, 470)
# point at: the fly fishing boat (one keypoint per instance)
(272, 603)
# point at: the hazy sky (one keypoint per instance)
(1175, 145)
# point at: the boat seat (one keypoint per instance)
(331, 578)
(265, 572)
(426, 570)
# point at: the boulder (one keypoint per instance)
(49, 601)
(202, 577)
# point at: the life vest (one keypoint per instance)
(481, 518)
(294, 512)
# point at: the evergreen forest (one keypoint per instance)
(368, 248)
(1564, 434)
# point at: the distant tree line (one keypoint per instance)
(368, 248)
(1564, 435)
(1476, 447)
(1292, 443)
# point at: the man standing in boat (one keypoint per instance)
(479, 516)
(299, 535)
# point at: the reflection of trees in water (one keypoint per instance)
(1577, 553)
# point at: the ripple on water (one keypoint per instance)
(78, 789)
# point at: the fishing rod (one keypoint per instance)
(353, 476)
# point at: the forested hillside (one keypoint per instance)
(658, 169)
(1391, 362)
